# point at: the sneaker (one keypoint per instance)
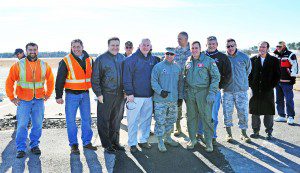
(110, 150)
(36, 150)
(280, 119)
(133, 149)
(290, 120)
(20, 154)
(90, 147)
(145, 145)
(118, 147)
(75, 150)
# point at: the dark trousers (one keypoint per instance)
(109, 119)
(268, 122)
(285, 91)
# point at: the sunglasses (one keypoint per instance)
(128, 47)
(170, 54)
(279, 46)
(229, 46)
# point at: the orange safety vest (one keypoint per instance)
(77, 79)
(31, 80)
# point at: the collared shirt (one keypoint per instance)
(262, 60)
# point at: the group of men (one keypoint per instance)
(142, 85)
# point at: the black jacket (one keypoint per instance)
(107, 74)
(224, 66)
(262, 81)
(62, 73)
(286, 71)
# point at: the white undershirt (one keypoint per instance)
(262, 61)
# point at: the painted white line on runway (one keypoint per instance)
(135, 161)
(207, 162)
(259, 161)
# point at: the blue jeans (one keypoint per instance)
(215, 111)
(73, 102)
(285, 91)
(27, 110)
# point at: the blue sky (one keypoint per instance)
(52, 24)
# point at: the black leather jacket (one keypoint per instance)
(107, 74)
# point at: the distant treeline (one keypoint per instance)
(61, 54)
(249, 51)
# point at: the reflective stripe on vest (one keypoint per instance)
(31, 85)
(78, 81)
(74, 80)
(71, 67)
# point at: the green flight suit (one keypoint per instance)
(201, 78)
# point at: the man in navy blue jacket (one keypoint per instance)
(137, 86)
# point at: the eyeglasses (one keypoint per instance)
(170, 54)
(279, 46)
(128, 47)
(229, 46)
(130, 105)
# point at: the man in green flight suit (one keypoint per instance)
(201, 80)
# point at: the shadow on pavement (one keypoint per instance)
(92, 161)
(176, 159)
(75, 163)
(288, 147)
(123, 127)
(109, 161)
(271, 158)
(34, 163)
(239, 162)
(7, 156)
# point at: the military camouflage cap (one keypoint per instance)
(171, 50)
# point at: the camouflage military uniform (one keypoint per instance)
(181, 57)
(166, 76)
(165, 116)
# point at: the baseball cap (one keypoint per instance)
(280, 44)
(129, 44)
(17, 51)
(171, 50)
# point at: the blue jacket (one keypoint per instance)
(137, 74)
(241, 68)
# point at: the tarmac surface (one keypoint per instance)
(282, 154)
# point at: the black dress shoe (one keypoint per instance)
(110, 150)
(20, 154)
(90, 147)
(36, 150)
(118, 147)
(145, 145)
(75, 150)
(133, 149)
(269, 137)
(254, 135)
